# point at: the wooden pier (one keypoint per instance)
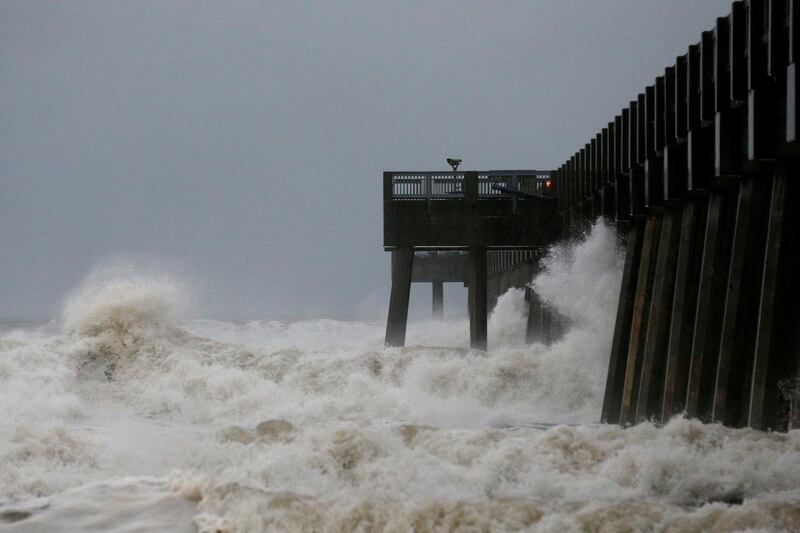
(483, 229)
(701, 172)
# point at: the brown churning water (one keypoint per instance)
(134, 419)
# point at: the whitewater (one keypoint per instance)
(124, 415)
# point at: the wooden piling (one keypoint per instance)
(641, 310)
(617, 364)
(684, 305)
(437, 293)
(478, 307)
(734, 367)
(777, 344)
(534, 331)
(710, 303)
(651, 386)
(403, 264)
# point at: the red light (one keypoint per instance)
(548, 183)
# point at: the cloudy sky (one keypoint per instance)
(240, 145)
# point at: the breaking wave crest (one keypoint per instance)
(315, 426)
(119, 300)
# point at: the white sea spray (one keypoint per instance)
(136, 419)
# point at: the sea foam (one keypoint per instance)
(134, 418)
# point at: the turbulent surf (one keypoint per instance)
(122, 415)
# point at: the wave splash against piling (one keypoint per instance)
(132, 418)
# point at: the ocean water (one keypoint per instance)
(123, 415)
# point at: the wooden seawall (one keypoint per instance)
(701, 172)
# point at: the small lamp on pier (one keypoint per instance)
(454, 163)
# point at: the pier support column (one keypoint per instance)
(711, 303)
(641, 311)
(739, 324)
(437, 289)
(622, 331)
(651, 387)
(684, 305)
(777, 343)
(536, 327)
(402, 265)
(478, 305)
(548, 335)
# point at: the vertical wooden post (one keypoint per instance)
(655, 321)
(402, 266)
(644, 291)
(684, 305)
(651, 387)
(590, 154)
(710, 303)
(636, 175)
(700, 111)
(730, 127)
(695, 111)
(533, 330)
(612, 401)
(622, 196)
(653, 163)
(675, 195)
(734, 367)
(437, 293)
(478, 316)
(586, 196)
(547, 325)
(629, 210)
(777, 350)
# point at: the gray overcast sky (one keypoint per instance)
(241, 144)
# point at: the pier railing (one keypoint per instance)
(499, 209)
(450, 185)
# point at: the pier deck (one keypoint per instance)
(497, 218)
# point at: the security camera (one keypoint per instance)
(454, 163)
